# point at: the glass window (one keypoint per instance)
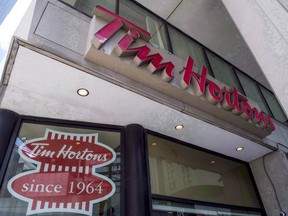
(274, 105)
(180, 171)
(145, 20)
(183, 47)
(252, 91)
(131, 12)
(55, 168)
(87, 6)
(223, 71)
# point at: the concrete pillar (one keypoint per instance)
(136, 191)
(271, 176)
(8, 120)
(263, 26)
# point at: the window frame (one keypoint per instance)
(204, 203)
(232, 67)
(205, 49)
(62, 123)
(208, 63)
(145, 158)
(283, 123)
(54, 122)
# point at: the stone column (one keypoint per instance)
(271, 176)
(135, 186)
(8, 120)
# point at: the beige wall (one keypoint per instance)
(271, 176)
(263, 25)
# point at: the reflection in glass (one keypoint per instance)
(180, 171)
(183, 47)
(223, 71)
(9, 205)
(274, 105)
(145, 20)
(252, 91)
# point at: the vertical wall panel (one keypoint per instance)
(136, 181)
(8, 119)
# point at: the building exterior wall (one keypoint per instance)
(263, 27)
(270, 173)
(56, 42)
(253, 18)
(73, 48)
(207, 22)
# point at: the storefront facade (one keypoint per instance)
(117, 149)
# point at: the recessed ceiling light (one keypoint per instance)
(83, 92)
(179, 127)
(212, 162)
(240, 149)
(154, 144)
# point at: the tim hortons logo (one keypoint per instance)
(65, 179)
(203, 87)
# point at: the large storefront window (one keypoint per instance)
(57, 170)
(181, 172)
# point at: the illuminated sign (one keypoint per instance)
(65, 179)
(122, 47)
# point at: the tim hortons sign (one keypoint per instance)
(123, 47)
(65, 179)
